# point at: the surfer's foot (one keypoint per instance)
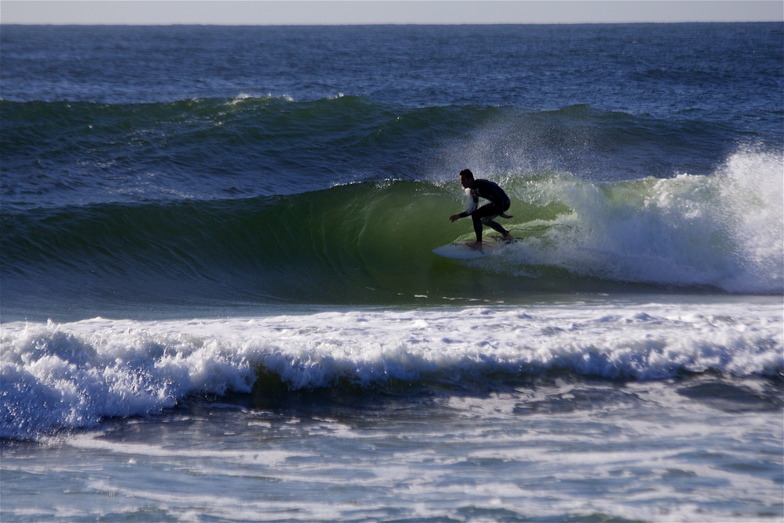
(508, 238)
(474, 245)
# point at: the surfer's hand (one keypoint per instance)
(454, 217)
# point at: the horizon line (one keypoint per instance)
(306, 24)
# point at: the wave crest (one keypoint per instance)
(72, 375)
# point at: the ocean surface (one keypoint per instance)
(218, 300)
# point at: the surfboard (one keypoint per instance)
(462, 251)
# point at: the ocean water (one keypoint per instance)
(219, 300)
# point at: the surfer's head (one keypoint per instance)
(467, 178)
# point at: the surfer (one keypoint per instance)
(484, 215)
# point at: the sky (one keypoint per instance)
(327, 12)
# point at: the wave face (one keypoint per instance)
(73, 375)
(370, 242)
(340, 200)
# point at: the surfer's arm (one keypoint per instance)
(472, 201)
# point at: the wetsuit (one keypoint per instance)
(498, 204)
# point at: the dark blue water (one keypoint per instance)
(660, 69)
(219, 300)
(716, 84)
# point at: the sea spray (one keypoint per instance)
(722, 230)
(753, 196)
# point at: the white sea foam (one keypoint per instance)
(72, 375)
(725, 230)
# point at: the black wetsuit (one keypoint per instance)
(498, 204)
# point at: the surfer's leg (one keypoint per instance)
(477, 226)
(486, 215)
(497, 227)
(505, 235)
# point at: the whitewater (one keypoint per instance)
(76, 374)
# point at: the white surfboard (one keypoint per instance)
(464, 251)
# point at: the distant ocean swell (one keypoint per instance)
(56, 152)
(73, 375)
(216, 147)
(370, 242)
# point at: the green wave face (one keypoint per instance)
(371, 243)
(366, 243)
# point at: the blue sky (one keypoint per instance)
(248, 12)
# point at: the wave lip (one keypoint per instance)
(73, 375)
